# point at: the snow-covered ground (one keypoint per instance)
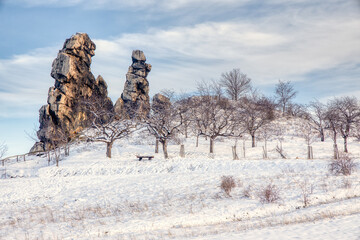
(91, 197)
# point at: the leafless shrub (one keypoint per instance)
(345, 165)
(247, 191)
(239, 183)
(324, 185)
(346, 183)
(269, 194)
(306, 189)
(227, 184)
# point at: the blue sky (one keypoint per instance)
(313, 43)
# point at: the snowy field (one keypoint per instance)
(91, 197)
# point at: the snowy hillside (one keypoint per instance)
(92, 197)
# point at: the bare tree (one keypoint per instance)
(284, 93)
(265, 133)
(316, 115)
(279, 133)
(348, 111)
(164, 120)
(332, 124)
(184, 103)
(106, 126)
(235, 83)
(356, 132)
(306, 131)
(55, 142)
(254, 112)
(296, 110)
(214, 114)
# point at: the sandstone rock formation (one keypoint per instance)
(134, 100)
(160, 102)
(74, 85)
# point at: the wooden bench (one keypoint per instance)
(141, 157)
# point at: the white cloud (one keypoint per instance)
(153, 5)
(24, 82)
(289, 45)
(265, 51)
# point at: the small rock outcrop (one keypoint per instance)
(160, 102)
(134, 100)
(74, 85)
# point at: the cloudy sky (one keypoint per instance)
(313, 43)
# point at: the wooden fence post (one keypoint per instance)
(235, 156)
(264, 152)
(244, 149)
(182, 151)
(157, 146)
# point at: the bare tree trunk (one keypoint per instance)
(264, 153)
(67, 150)
(108, 149)
(280, 151)
(157, 146)
(182, 150)
(266, 156)
(336, 151)
(322, 135)
(197, 140)
(56, 157)
(345, 145)
(235, 156)
(211, 145)
(244, 149)
(164, 145)
(253, 140)
(309, 152)
(283, 109)
(186, 131)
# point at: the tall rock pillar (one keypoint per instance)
(135, 101)
(74, 84)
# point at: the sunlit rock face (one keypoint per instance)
(134, 100)
(74, 86)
